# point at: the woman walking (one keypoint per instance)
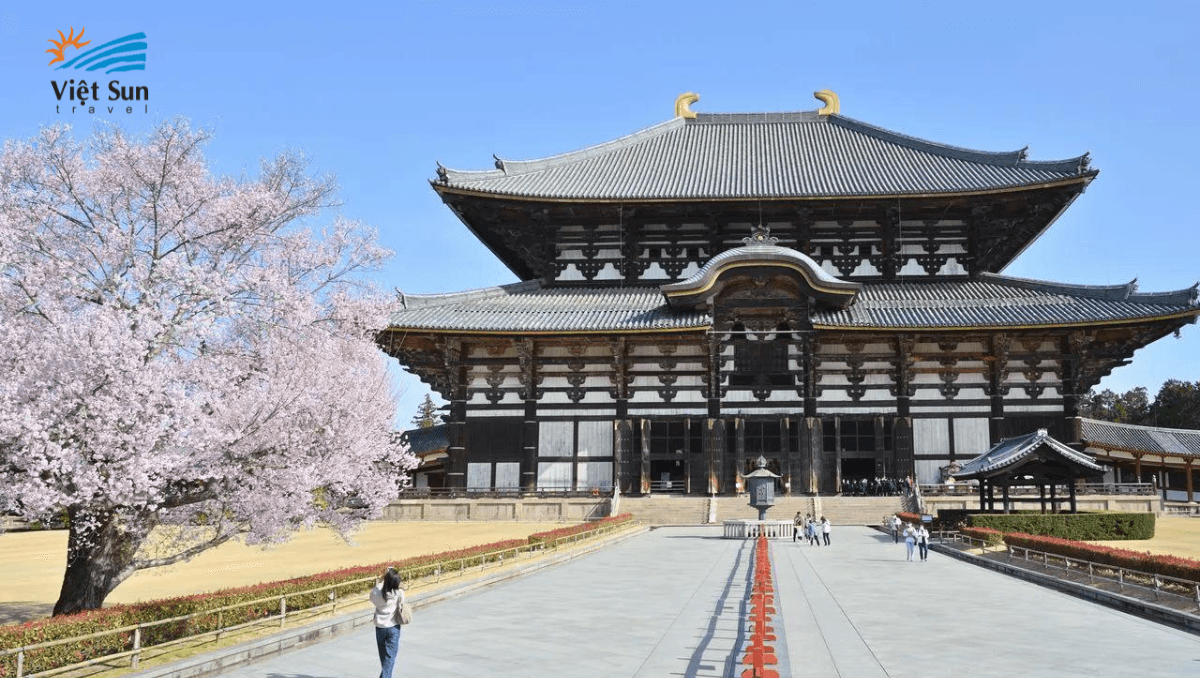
(910, 540)
(923, 542)
(387, 597)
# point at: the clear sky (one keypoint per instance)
(377, 93)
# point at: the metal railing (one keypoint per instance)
(1158, 584)
(138, 631)
(964, 489)
(502, 492)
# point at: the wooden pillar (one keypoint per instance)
(739, 453)
(902, 439)
(456, 428)
(996, 390)
(982, 494)
(787, 461)
(713, 391)
(1053, 501)
(1137, 467)
(1187, 470)
(1042, 495)
(714, 448)
(526, 361)
(1004, 496)
(644, 456)
(1072, 491)
(991, 495)
(622, 454)
(810, 460)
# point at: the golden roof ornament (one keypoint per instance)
(683, 104)
(832, 104)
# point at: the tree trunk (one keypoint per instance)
(99, 557)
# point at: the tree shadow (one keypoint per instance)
(23, 611)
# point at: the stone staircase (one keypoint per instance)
(859, 510)
(667, 509)
(785, 508)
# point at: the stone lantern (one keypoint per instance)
(761, 485)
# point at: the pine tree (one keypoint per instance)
(427, 413)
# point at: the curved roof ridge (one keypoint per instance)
(757, 118)
(1126, 292)
(408, 301)
(513, 167)
(1017, 158)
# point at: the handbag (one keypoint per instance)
(403, 614)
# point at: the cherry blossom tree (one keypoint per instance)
(183, 360)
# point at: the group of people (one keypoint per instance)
(881, 486)
(916, 537)
(813, 530)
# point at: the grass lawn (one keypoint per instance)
(32, 563)
(1173, 536)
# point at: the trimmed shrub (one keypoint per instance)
(1076, 526)
(1170, 566)
(987, 534)
(551, 538)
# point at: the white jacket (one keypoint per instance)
(385, 610)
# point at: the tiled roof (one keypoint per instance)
(1012, 451)
(1130, 438)
(425, 440)
(528, 307)
(989, 301)
(774, 155)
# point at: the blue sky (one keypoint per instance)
(376, 94)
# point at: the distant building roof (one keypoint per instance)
(1011, 454)
(1108, 435)
(991, 301)
(423, 441)
(764, 156)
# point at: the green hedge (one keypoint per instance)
(987, 534)
(350, 587)
(1075, 526)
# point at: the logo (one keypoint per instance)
(122, 55)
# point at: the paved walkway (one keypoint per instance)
(668, 603)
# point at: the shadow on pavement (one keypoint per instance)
(23, 611)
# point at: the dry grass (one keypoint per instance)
(32, 563)
(1173, 536)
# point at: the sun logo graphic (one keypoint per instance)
(123, 54)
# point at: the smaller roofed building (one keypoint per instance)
(1034, 459)
(1167, 457)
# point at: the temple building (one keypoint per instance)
(802, 286)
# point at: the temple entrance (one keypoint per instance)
(668, 475)
(857, 468)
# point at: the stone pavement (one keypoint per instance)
(668, 603)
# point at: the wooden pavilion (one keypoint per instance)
(1032, 460)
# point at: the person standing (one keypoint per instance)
(387, 596)
(910, 540)
(797, 525)
(895, 522)
(923, 542)
(826, 528)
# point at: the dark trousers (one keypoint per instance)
(388, 641)
(827, 539)
(924, 546)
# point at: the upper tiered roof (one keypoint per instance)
(991, 302)
(738, 156)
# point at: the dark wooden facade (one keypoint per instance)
(589, 374)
